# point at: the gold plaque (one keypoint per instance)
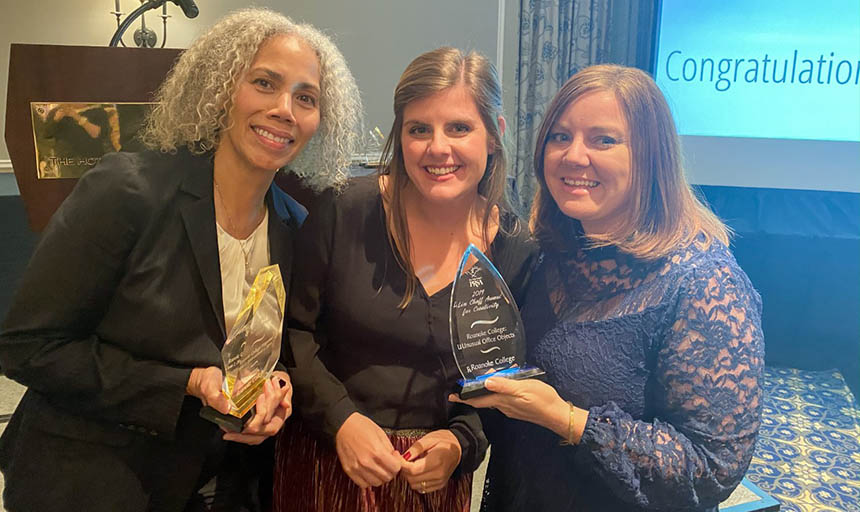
(71, 138)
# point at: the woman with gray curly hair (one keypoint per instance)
(118, 325)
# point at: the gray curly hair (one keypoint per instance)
(196, 98)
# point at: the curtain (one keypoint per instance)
(557, 39)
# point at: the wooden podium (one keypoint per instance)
(48, 73)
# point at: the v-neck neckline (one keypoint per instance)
(428, 296)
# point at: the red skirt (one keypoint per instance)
(308, 478)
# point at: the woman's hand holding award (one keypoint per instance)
(252, 349)
(486, 330)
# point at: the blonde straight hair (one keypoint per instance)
(663, 213)
(428, 74)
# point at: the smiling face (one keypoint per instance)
(276, 107)
(587, 161)
(445, 145)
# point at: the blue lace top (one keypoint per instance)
(665, 355)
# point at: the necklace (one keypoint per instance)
(246, 252)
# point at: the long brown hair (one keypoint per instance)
(663, 211)
(428, 74)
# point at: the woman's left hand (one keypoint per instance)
(272, 409)
(429, 462)
(528, 400)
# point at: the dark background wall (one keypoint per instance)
(801, 250)
(16, 245)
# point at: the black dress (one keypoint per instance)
(353, 349)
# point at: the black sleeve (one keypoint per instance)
(49, 341)
(319, 396)
(466, 425)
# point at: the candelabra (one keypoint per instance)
(144, 36)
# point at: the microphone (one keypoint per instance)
(189, 8)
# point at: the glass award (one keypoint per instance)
(487, 335)
(252, 349)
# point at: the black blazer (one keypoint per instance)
(121, 299)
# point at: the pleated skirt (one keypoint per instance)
(308, 478)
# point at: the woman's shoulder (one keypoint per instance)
(513, 237)
(125, 190)
(709, 263)
(699, 253)
(348, 207)
(360, 193)
(152, 172)
(147, 162)
(132, 180)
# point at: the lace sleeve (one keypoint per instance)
(707, 402)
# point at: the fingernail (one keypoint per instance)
(407, 456)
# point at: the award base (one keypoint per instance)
(471, 388)
(227, 422)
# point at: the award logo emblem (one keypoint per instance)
(252, 349)
(487, 336)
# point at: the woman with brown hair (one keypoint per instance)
(369, 306)
(647, 328)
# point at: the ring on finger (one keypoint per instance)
(423, 487)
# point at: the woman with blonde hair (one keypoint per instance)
(118, 325)
(369, 307)
(648, 330)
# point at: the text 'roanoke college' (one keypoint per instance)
(484, 337)
(489, 364)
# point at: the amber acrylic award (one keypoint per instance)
(486, 329)
(252, 349)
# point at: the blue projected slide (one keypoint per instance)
(779, 69)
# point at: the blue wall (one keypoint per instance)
(8, 186)
(801, 250)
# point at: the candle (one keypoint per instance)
(117, 5)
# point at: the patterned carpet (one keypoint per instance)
(808, 453)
